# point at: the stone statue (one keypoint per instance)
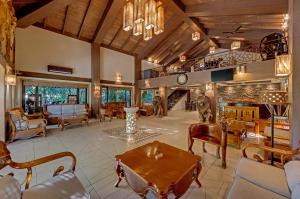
(203, 107)
(157, 104)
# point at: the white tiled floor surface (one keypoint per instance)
(95, 153)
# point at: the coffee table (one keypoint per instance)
(158, 168)
(70, 119)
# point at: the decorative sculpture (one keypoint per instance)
(203, 107)
(157, 104)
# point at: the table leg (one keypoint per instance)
(120, 174)
(62, 124)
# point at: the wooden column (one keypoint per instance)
(137, 76)
(95, 56)
(164, 97)
(294, 80)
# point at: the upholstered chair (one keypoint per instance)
(23, 128)
(62, 185)
(215, 134)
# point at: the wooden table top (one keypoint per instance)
(160, 171)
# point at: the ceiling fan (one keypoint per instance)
(236, 31)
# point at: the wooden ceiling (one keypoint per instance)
(100, 22)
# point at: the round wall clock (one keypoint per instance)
(182, 79)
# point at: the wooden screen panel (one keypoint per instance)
(243, 113)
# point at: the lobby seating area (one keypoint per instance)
(129, 99)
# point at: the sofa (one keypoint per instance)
(53, 112)
(62, 185)
(258, 180)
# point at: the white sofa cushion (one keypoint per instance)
(263, 175)
(54, 109)
(64, 186)
(67, 109)
(9, 188)
(80, 109)
(292, 171)
(296, 192)
(243, 189)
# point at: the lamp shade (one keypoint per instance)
(235, 45)
(273, 97)
(282, 65)
(195, 36)
(212, 49)
(128, 16)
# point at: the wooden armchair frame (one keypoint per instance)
(5, 160)
(284, 154)
(25, 133)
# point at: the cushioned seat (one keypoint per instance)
(263, 175)
(64, 186)
(243, 189)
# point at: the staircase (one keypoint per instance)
(175, 97)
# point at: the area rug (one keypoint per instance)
(142, 134)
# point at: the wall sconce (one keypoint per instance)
(155, 61)
(11, 80)
(97, 91)
(282, 65)
(182, 58)
(150, 59)
(241, 69)
(212, 49)
(147, 83)
(209, 86)
(195, 36)
(119, 77)
(235, 45)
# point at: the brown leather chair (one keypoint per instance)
(215, 134)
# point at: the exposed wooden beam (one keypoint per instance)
(116, 35)
(65, 19)
(174, 22)
(179, 9)
(237, 7)
(25, 1)
(53, 29)
(45, 22)
(169, 40)
(136, 44)
(110, 13)
(126, 40)
(42, 12)
(118, 50)
(84, 19)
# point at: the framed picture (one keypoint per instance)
(72, 99)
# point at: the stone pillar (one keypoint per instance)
(294, 80)
(95, 58)
(2, 103)
(137, 76)
(164, 97)
(211, 92)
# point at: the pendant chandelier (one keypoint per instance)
(143, 17)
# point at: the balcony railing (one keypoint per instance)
(228, 58)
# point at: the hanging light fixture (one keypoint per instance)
(282, 65)
(128, 16)
(182, 58)
(159, 19)
(142, 16)
(138, 11)
(147, 34)
(150, 13)
(212, 49)
(155, 61)
(195, 36)
(138, 29)
(235, 45)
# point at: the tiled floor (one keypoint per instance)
(95, 153)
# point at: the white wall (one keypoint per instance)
(148, 65)
(37, 48)
(112, 62)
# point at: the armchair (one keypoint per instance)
(258, 180)
(238, 130)
(215, 134)
(21, 127)
(61, 185)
